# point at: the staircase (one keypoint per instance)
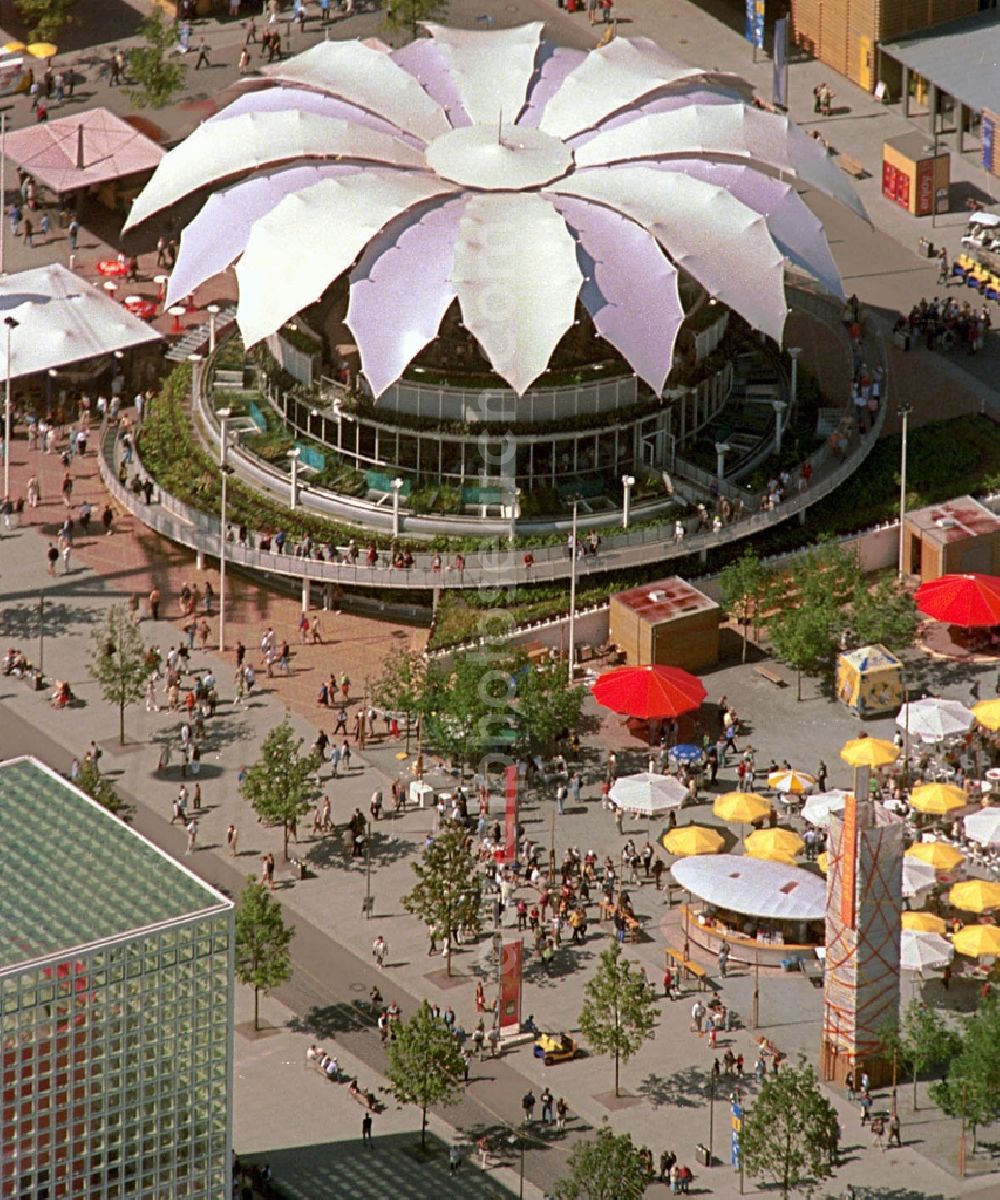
(195, 339)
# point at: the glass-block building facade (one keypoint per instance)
(116, 992)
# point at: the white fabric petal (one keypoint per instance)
(313, 236)
(220, 151)
(616, 76)
(517, 279)
(369, 78)
(630, 288)
(795, 228)
(401, 291)
(727, 131)
(218, 235)
(287, 99)
(707, 232)
(491, 70)
(424, 61)
(556, 64)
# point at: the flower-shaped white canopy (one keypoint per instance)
(510, 174)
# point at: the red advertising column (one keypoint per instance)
(510, 988)
(510, 823)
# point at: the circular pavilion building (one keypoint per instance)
(525, 271)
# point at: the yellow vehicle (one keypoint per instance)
(555, 1047)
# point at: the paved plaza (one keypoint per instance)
(308, 1129)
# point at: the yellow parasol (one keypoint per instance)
(791, 783)
(12, 47)
(401, 756)
(977, 941)
(869, 752)
(823, 861)
(938, 798)
(975, 895)
(924, 922)
(42, 50)
(741, 807)
(779, 845)
(692, 839)
(987, 713)
(939, 855)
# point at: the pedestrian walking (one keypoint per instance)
(454, 1159)
(192, 834)
(944, 270)
(548, 1100)
(202, 55)
(53, 557)
(723, 958)
(232, 837)
(154, 604)
(895, 1132)
(380, 948)
(66, 552)
(366, 1130)
(528, 1105)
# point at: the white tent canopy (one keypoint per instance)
(647, 794)
(61, 320)
(753, 886)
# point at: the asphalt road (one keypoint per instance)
(330, 986)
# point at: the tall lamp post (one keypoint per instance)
(213, 311)
(397, 487)
(224, 468)
(628, 483)
(514, 1140)
(572, 597)
(11, 326)
(793, 389)
(905, 408)
(293, 458)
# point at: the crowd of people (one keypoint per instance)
(945, 324)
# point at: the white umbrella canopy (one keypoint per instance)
(984, 826)
(647, 795)
(817, 809)
(917, 876)
(933, 719)
(920, 951)
(791, 782)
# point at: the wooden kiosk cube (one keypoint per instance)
(914, 176)
(667, 623)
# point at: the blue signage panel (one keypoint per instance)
(748, 27)
(989, 140)
(736, 1111)
(758, 24)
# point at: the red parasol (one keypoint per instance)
(649, 692)
(961, 599)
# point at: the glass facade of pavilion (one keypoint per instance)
(116, 987)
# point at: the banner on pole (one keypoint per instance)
(510, 811)
(736, 1118)
(510, 986)
(779, 71)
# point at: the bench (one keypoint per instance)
(691, 970)
(852, 166)
(770, 676)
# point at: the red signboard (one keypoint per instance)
(510, 823)
(510, 986)
(925, 187)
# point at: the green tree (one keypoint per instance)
(791, 1133)
(544, 703)
(118, 661)
(425, 1064)
(922, 1041)
(403, 686)
(47, 18)
(263, 958)
(448, 892)
(971, 1090)
(805, 637)
(98, 787)
(158, 79)
(406, 16)
(619, 1009)
(605, 1167)
(746, 586)
(282, 785)
(884, 613)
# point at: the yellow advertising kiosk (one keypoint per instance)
(870, 681)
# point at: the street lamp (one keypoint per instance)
(293, 458)
(11, 326)
(397, 485)
(779, 407)
(515, 512)
(905, 408)
(572, 596)
(721, 450)
(628, 483)
(793, 354)
(514, 1140)
(213, 311)
(224, 467)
